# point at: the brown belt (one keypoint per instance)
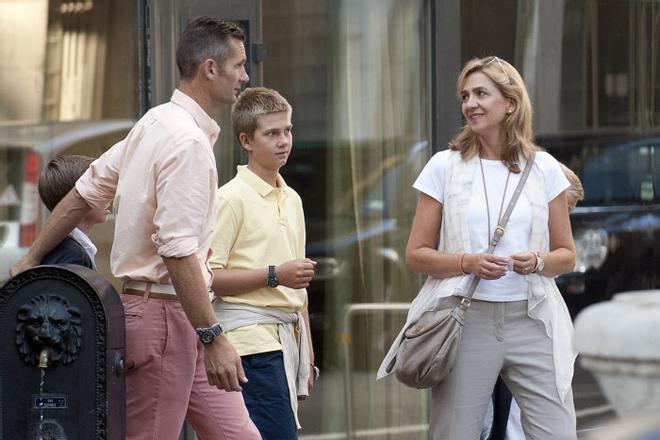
(154, 295)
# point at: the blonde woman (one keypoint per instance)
(518, 325)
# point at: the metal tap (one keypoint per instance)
(43, 358)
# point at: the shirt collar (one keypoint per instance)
(208, 125)
(84, 241)
(257, 183)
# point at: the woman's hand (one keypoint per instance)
(485, 266)
(524, 262)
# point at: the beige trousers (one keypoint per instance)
(499, 338)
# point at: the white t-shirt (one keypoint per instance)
(511, 287)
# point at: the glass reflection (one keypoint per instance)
(362, 127)
(68, 84)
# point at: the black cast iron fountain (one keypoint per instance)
(61, 356)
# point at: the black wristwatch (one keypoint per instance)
(271, 279)
(208, 334)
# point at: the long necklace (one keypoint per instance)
(499, 216)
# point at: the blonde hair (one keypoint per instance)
(576, 190)
(252, 104)
(518, 136)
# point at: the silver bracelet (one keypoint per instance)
(540, 263)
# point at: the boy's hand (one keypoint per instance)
(296, 273)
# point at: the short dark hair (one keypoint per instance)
(205, 37)
(60, 176)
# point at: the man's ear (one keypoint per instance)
(209, 68)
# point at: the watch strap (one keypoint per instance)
(271, 277)
(215, 330)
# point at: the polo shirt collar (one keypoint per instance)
(208, 125)
(257, 183)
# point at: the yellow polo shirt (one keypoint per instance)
(259, 226)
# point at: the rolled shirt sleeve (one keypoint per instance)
(184, 199)
(98, 184)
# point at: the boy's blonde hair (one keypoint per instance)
(252, 104)
(576, 190)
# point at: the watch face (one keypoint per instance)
(207, 337)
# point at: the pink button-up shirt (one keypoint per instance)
(163, 180)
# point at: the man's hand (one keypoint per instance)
(223, 365)
(25, 263)
(296, 273)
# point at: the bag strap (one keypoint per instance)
(499, 230)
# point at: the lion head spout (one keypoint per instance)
(48, 322)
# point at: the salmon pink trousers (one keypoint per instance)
(166, 379)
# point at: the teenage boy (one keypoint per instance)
(56, 180)
(260, 268)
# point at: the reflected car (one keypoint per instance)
(616, 228)
(24, 149)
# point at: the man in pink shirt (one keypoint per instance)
(162, 179)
